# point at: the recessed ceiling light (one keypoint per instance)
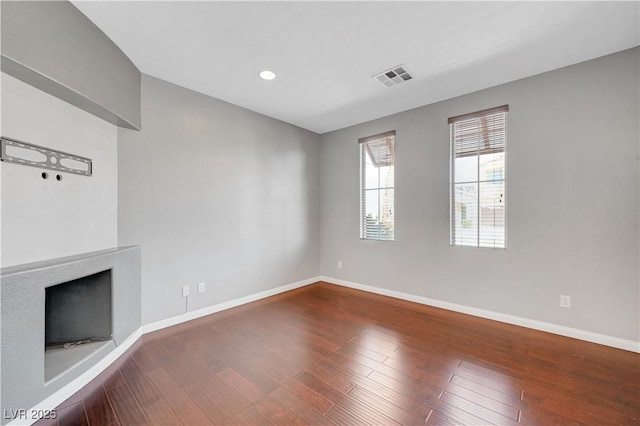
(267, 75)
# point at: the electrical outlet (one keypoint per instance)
(565, 301)
(339, 264)
(201, 288)
(185, 290)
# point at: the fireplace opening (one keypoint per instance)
(78, 320)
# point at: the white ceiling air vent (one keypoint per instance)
(393, 76)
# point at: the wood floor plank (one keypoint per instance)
(159, 413)
(332, 377)
(354, 350)
(233, 400)
(346, 365)
(354, 406)
(276, 413)
(460, 415)
(499, 406)
(298, 354)
(324, 354)
(259, 378)
(617, 400)
(409, 395)
(299, 407)
(126, 407)
(544, 417)
(251, 416)
(414, 401)
(112, 380)
(145, 358)
(290, 365)
(237, 381)
(436, 419)
(312, 398)
(553, 401)
(506, 397)
(189, 372)
(486, 414)
(498, 382)
(72, 415)
(141, 387)
(414, 391)
(208, 401)
(387, 407)
(98, 408)
(340, 416)
(184, 407)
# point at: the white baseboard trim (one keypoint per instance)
(78, 383)
(188, 316)
(602, 339)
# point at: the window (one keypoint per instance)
(478, 166)
(376, 187)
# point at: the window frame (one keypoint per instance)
(460, 151)
(364, 152)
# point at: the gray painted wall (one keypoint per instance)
(51, 45)
(218, 194)
(572, 202)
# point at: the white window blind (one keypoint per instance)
(478, 179)
(377, 186)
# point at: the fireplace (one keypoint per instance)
(77, 320)
(92, 297)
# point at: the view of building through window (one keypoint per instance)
(478, 197)
(377, 187)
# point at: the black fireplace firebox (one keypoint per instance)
(79, 311)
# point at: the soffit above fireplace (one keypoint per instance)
(55, 48)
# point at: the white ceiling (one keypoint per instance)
(325, 53)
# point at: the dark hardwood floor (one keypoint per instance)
(324, 354)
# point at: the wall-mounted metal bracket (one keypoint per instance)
(28, 154)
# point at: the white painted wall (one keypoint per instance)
(572, 202)
(218, 194)
(45, 219)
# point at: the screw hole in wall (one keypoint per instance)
(45, 175)
(59, 177)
